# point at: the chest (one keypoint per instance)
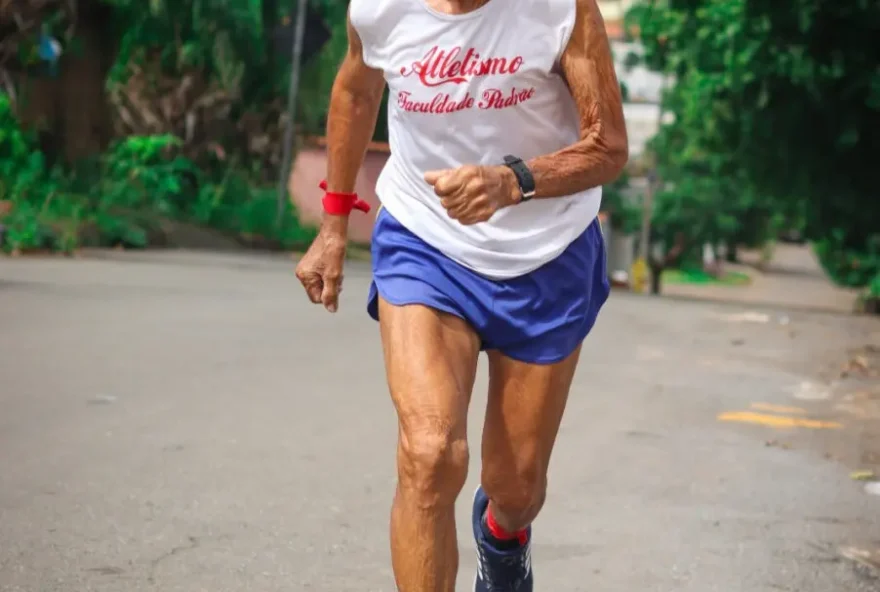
(467, 57)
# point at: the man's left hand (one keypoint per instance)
(472, 194)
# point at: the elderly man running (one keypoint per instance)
(505, 120)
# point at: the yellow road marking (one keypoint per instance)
(778, 421)
(777, 408)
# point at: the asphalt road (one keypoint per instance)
(189, 423)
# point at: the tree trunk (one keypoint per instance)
(732, 255)
(70, 112)
(656, 277)
(86, 122)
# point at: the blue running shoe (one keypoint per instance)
(499, 571)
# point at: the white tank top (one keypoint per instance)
(470, 89)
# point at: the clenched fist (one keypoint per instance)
(472, 194)
(320, 269)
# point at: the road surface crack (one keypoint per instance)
(191, 545)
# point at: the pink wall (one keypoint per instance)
(310, 168)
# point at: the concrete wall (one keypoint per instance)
(310, 168)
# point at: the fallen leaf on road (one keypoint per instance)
(863, 556)
(863, 476)
(858, 364)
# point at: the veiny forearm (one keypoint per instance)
(601, 154)
(592, 162)
(351, 122)
(350, 125)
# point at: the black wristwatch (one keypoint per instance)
(524, 176)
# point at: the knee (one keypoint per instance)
(432, 466)
(519, 491)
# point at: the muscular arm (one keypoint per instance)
(600, 155)
(354, 107)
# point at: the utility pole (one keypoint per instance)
(653, 181)
(647, 211)
(642, 267)
(293, 90)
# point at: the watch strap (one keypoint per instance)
(524, 177)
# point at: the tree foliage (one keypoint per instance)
(776, 115)
(197, 89)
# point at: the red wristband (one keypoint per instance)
(341, 204)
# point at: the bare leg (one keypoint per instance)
(526, 403)
(431, 361)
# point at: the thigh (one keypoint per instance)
(525, 408)
(430, 362)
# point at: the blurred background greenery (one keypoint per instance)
(120, 117)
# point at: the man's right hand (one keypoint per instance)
(354, 106)
(320, 269)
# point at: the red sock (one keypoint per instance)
(498, 532)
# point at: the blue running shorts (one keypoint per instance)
(538, 318)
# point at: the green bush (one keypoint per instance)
(112, 203)
(123, 196)
(846, 265)
(874, 287)
(234, 205)
(23, 184)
